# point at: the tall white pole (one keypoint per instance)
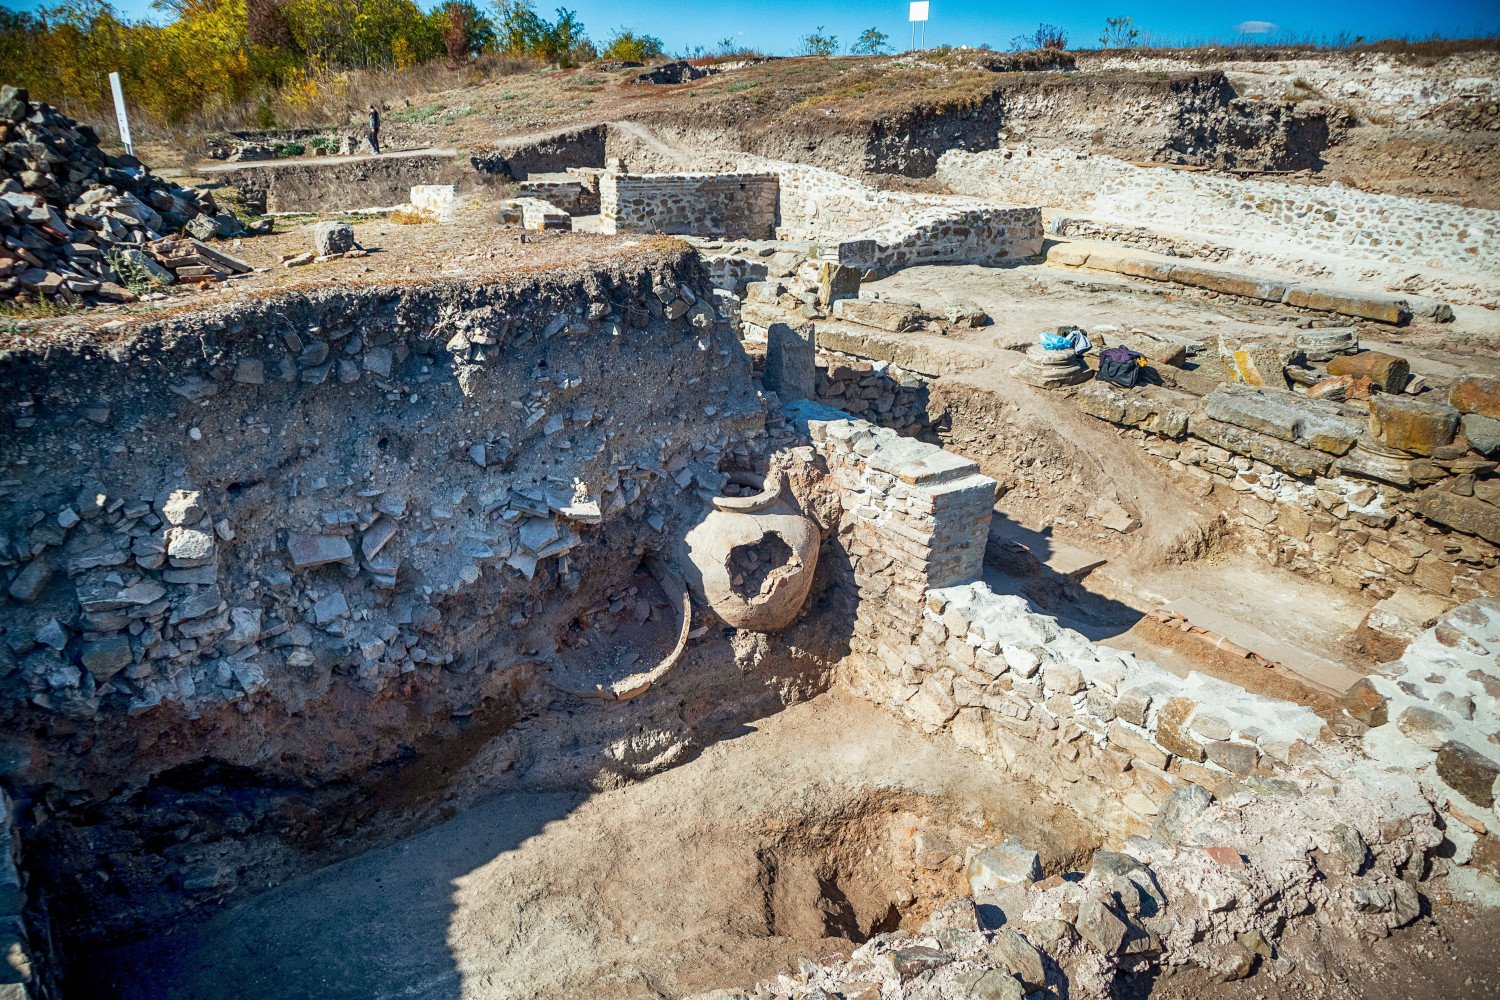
(124, 122)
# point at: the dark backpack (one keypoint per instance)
(1120, 365)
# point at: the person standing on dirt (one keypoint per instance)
(375, 129)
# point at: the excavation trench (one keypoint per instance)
(817, 828)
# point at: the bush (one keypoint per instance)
(627, 46)
(289, 149)
(819, 44)
(1046, 36)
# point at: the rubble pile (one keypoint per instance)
(78, 223)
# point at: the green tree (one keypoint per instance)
(627, 46)
(872, 42)
(819, 44)
(1120, 33)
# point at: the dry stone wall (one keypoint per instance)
(1318, 492)
(1313, 220)
(733, 206)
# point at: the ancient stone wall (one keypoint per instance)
(1115, 735)
(1321, 493)
(330, 184)
(906, 228)
(734, 206)
(1314, 220)
(518, 159)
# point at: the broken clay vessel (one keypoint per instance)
(751, 559)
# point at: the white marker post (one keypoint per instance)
(918, 13)
(124, 123)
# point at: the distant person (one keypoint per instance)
(375, 129)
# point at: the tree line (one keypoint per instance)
(219, 54)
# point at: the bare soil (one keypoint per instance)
(807, 833)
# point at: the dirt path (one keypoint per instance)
(716, 873)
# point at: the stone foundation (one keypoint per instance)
(732, 206)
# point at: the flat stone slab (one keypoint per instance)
(1314, 669)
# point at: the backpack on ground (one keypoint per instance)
(1120, 366)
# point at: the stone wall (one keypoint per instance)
(1115, 735)
(878, 392)
(1312, 220)
(1319, 491)
(733, 206)
(906, 228)
(332, 184)
(514, 159)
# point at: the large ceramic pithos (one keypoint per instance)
(751, 559)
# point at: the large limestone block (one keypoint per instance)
(1410, 425)
(1382, 309)
(883, 314)
(1259, 363)
(1470, 515)
(1476, 394)
(1288, 457)
(1286, 415)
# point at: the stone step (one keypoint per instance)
(1058, 557)
(1310, 667)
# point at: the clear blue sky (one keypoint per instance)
(775, 25)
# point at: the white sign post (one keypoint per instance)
(918, 14)
(114, 86)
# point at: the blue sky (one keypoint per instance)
(775, 25)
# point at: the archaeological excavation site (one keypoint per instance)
(931, 526)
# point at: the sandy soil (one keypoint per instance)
(721, 871)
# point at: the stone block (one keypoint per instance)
(1483, 434)
(1366, 704)
(835, 282)
(1001, 866)
(308, 550)
(1172, 729)
(1476, 394)
(1137, 746)
(1381, 308)
(1385, 371)
(1468, 772)
(1067, 254)
(883, 314)
(332, 238)
(791, 360)
(1470, 515)
(106, 657)
(1410, 425)
(1286, 415)
(1284, 455)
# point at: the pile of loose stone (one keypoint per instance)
(80, 224)
(1212, 886)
